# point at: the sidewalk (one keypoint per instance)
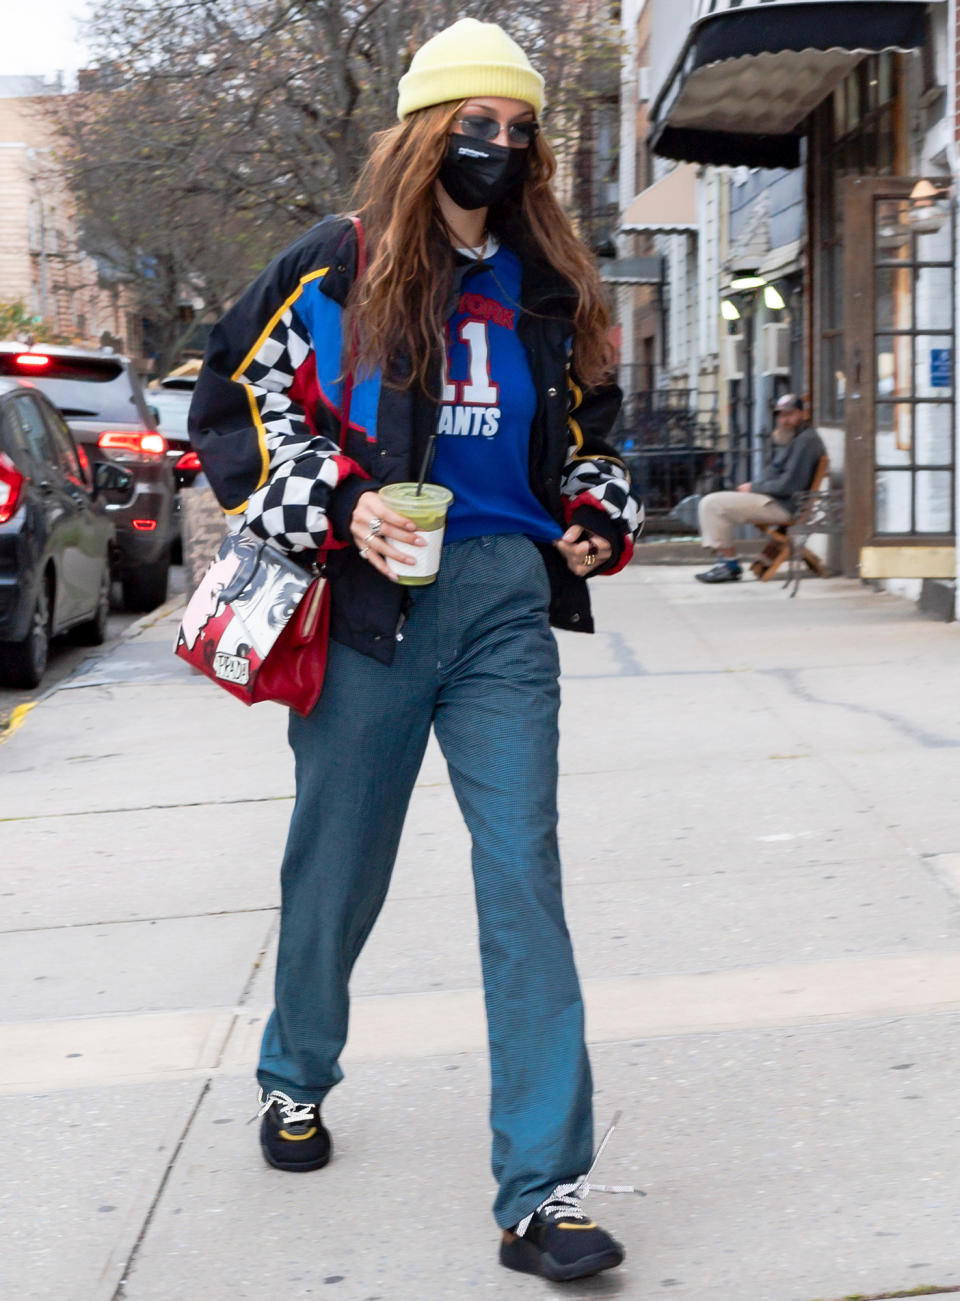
(762, 857)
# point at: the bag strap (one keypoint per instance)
(349, 378)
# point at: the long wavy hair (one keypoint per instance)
(401, 304)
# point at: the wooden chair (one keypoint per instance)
(779, 547)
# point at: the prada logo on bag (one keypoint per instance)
(231, 668)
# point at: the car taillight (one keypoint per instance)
(189, 461)
(35, 360)
(114, 440)
(11, 487)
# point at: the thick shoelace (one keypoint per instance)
(564, 1201)
(291, 1113)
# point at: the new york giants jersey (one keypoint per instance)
(487, 406)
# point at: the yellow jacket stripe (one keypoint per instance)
(237, 377)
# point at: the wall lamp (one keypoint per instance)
(748, 282)
(772, 297)
(929, 207)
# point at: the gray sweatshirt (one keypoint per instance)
(791, 468)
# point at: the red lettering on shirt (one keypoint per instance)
(481, 308)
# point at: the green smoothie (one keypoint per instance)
(428, 510)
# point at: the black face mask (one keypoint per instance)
(477, 174)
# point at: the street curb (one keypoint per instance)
(149, 619)
(684, 551)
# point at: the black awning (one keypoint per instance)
(747, 77)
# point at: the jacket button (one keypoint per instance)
(551, 392)
(378, 636)
(341, 267)
(383, 451)
(574, 618)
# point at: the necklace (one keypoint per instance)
(477, 249)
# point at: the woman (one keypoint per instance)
(479, 320)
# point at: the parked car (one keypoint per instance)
(184, 376)
(171, 406)
(55, 535)
(100, 396)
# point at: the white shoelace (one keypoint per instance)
(291, 1113)
(564, 1201)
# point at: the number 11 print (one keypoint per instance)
(478, 391)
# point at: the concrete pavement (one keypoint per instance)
(762, 859)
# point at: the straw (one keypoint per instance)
(427, 458)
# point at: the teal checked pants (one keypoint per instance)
(479, 663)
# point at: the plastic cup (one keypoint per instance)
(428, 510)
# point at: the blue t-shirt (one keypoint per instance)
(488, 404)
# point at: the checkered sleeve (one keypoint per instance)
(594, 476)
(264, 430)
(290, 507)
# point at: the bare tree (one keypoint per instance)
(216, 130)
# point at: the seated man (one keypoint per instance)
(771, 500)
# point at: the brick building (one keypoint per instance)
(42, 263)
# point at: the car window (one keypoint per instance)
(85, 387)
(172, 407)
(34, 430)
(63, 444)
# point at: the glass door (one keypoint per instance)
(900, 445)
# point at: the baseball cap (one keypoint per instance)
(788, 402)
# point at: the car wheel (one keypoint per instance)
(93, 632)
(146, 587)
(23, 663)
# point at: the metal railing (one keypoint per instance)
(671, 449)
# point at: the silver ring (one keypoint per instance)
(369, 538)
(363, 552)
(376, 524)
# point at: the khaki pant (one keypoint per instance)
(721, 511)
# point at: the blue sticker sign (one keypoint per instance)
(941, 367)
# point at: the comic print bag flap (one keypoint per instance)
(237, 615)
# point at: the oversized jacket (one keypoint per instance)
(265, 423)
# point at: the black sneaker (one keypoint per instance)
(292, 1136)
(560, 1242)
(722, 572)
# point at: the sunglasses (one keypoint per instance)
(521, 134)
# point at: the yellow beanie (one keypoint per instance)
(467, 59)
